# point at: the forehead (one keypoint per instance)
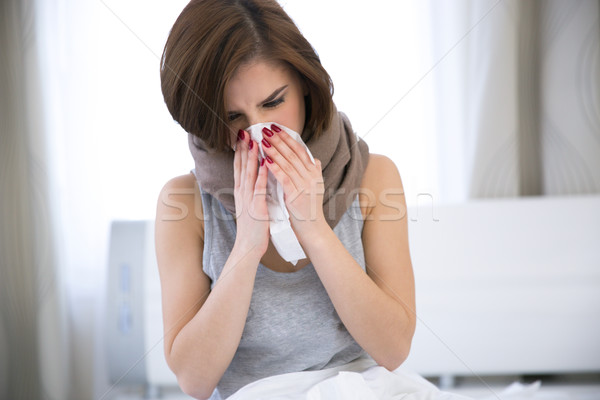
(258, 77)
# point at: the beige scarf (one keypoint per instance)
(343, 156)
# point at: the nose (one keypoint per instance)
(253, 119)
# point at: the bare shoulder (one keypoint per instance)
(187, 181)
(179, 202)
(380, 171)
(381, 179)
(182, 180)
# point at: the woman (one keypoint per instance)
(234, 310)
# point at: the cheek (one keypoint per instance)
(294, 115)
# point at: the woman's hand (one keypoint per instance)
(250, 185)
(302, 180)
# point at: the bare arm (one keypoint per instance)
(377, 308)
(203, 328)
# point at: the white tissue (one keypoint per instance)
(283, 237)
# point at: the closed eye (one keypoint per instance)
(267, 103)
(274, 103)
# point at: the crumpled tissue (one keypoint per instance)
(282, 235)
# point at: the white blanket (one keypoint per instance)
(359, 380)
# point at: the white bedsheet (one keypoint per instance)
(361, 380)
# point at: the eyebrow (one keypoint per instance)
(271, 97)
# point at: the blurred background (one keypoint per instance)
(471, 99)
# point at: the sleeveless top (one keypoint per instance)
(292, 325)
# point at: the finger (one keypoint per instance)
(284, 167)
(295, 146)
(260, 187)
(252, 165)
(282, 177)
(257, 205)
(286, 158)
(243, 147)
(237, 166)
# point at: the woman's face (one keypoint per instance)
(262, 91)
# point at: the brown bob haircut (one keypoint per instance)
(210, 40)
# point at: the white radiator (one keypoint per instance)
(504, 287)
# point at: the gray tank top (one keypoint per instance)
(291, 325)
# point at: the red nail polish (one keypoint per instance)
(251, 144)
(262, 162)
(265, 143)
(269, 160)
(241, 135)
(267, 131)
(276, 128)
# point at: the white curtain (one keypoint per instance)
(518, 97)
(85, 139)
(34, 355)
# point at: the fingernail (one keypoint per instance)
(267, 131)
(251, 144)
(241, 135)
(265, 143)
(276, 128)
(269, 160)
(262, 162)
